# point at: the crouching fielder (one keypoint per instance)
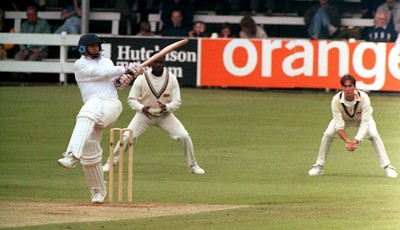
(98, 80)
(155, 95)
(351, 107)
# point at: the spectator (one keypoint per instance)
(249, 28)
(393, 9)
(5, 27)
(184, 6)
(381, 32)
(199, 30)
(34, 24)
(71, 13)
(322, 20)
(177, 29)
(145, 29)
(368, 7)
(226, 31)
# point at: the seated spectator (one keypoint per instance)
(249, 28)
(6, 50)
(34, 24)
(145, 29)
(71, 14)
(184, 6)
(226, 31)
(177, 29)
(199, 30)
(392, 7)
(322, 20)
(381, 32)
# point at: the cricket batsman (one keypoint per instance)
(98, 80)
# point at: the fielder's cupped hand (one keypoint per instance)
(351, 146)
(146, 111)
(163, 107)
(135, 69)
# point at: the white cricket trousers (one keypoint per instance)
(170, 124)
(372, 135)
(94, 116)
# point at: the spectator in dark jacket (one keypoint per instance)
(184, 6)
(177, 29)
(381, 32)
(322, 20)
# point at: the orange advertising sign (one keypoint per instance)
(299, 63)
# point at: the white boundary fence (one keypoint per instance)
(61, 65)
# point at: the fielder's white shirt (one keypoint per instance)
(146, 91)
(96, 77)
(345, 114)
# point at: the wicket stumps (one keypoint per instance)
(120, 164)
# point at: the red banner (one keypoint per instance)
(298, 63)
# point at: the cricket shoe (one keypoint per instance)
(97, 197)
(106, 167)
(317, 170)
(196, 169)
(69, 161)
(390, 171)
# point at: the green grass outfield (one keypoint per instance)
(256, 148)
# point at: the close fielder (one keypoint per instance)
(98, 80)
(351, 107)
(155, 95)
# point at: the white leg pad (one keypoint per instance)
(92, 109)
(88, 116)
(82, 131)
(91, 163)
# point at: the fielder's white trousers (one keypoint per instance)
(372, 135)
(170, 124)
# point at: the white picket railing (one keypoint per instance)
(62, 65)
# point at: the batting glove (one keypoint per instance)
(134, 69)
(123, 81)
